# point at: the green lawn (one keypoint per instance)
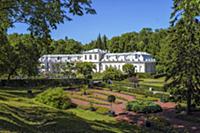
(21, 114)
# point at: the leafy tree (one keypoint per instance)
(183, 65)
(129, 69)
(15, 60)
(112, 73)
(68, 70)
(114, 45)
(67, 46)
(86, 69)
(41, 16)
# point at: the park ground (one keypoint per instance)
(19, 113)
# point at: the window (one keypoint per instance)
(90, 57)
(140, 68)
(106, 66)
(85, 57)
(95, 57)
(119, 67)
(58, 58)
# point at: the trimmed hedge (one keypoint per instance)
(55, 97)
(40, 82)
(143, 107)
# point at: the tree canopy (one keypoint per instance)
(40, 15)
(183, 62)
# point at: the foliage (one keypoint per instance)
(183, 61)
(41, 16)
(143, 106)
(102, 110)
(129, 69)
(86, 69)
(100, 42)
(65, 69)
(67, 46)
(14, 58)
(112, 74)
(20, 114)
(160, 123)
(111, 98)
(55, 97)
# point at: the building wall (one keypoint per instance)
(143, 62)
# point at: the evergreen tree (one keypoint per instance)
(104, 41)
(99, 43)
(183, 65)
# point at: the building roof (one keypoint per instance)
(95, 51)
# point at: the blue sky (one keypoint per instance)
(113, 18)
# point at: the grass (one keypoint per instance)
(21, 114)
(18, 113)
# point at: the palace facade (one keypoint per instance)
(142, 61)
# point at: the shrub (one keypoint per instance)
(111, 98)
(55, 98)
(102, 110)
(143, 107)
(144, 75)
(112, 74)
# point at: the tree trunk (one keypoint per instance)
(9, 75)
(188, 101)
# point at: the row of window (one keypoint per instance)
(120, 67)
(90, 57)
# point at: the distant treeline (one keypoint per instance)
(23, 51)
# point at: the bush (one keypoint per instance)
(143, 107)
(102, 110)
(160, 124)
(144, 75)
(112, 74)
(54, 97)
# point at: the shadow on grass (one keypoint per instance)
(45, 120)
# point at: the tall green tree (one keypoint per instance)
(41, 17)
(20, 56)
(183, 65)
(68, 46)
(104, 41)
(129, 69)
(86, 69)
(99, 43)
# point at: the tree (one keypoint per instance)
(15, 60)
(111, 99)
(104, 41)
(112, 73)
(41, 16)
(99, 43)
(86, 69)
(183, 65)
(129, 69)
(68, 70)
(68, 46)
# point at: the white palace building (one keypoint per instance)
(142, 61)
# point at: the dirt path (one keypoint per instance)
(124, 96)
(131, 117)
